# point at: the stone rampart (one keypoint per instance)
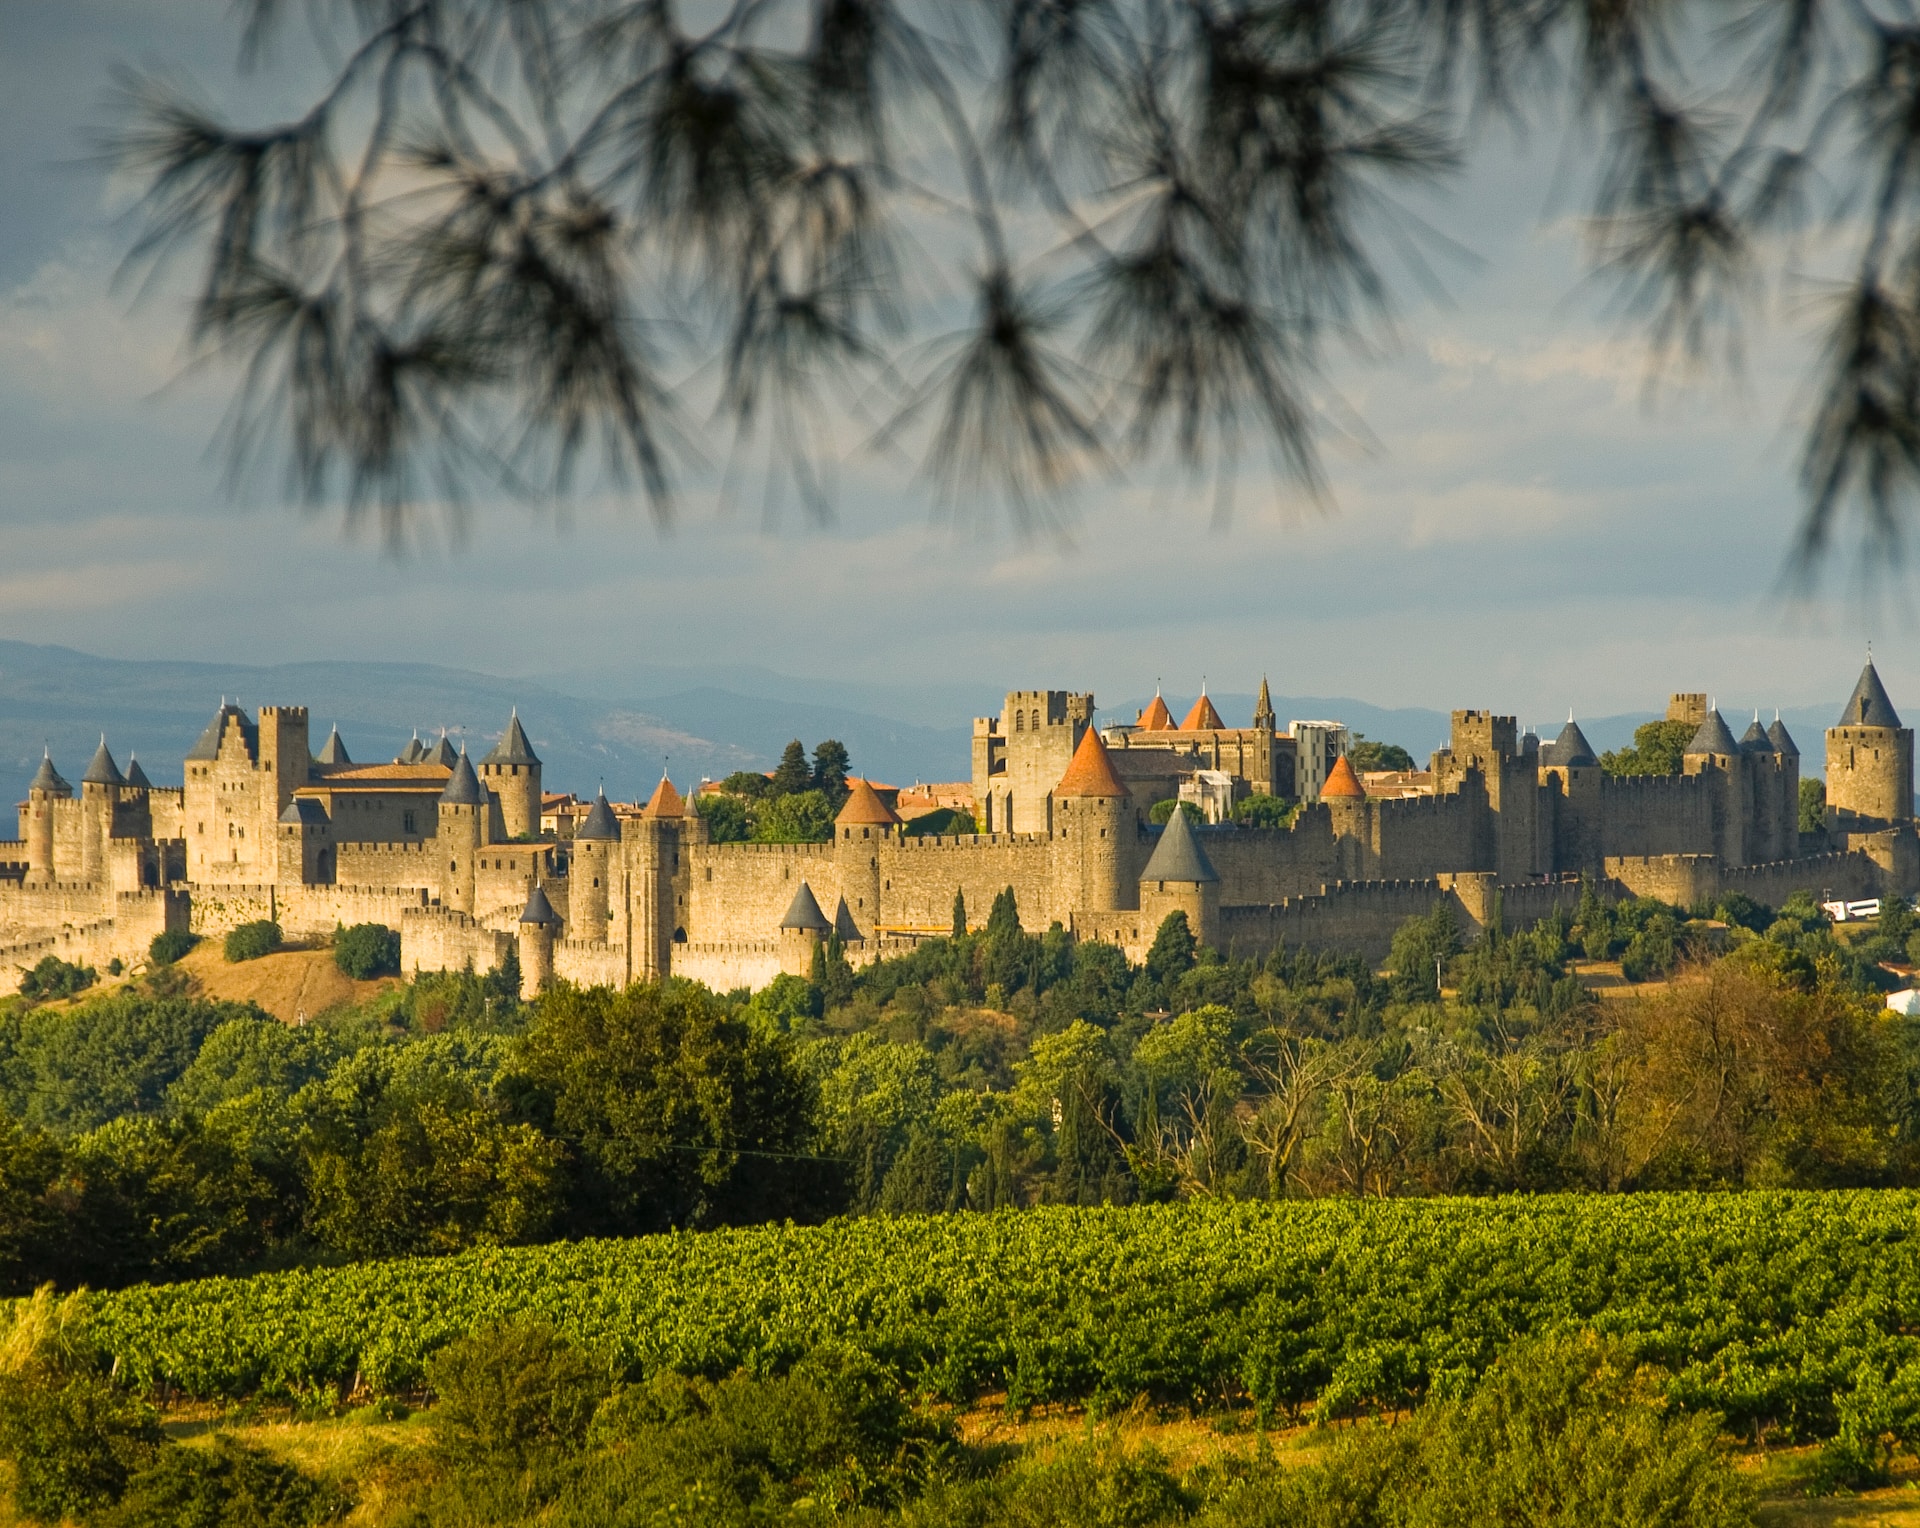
(405, 863)
(919, 876)
(749, 963)
(590, 964)
(138, 916)
(440, 939)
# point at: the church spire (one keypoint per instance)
(1263, 707)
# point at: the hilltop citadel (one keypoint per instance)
(454, 854)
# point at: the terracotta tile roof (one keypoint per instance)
(1091, 772)
(664, 802)
(1156, 718)
(864, 806)
(1203, 717)
(1342, 781)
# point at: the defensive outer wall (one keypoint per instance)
(446, 852)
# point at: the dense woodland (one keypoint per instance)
(147, 1133)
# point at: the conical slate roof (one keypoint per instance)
(1714, 736)
(333, 751)
(865, 807)
(1571, 748)
(1782, 739)
(1755, 739)
(103, 771)
(843, 923)
(47, 778)
(1342, 781)
(513, 747)
(440, 753)
(804, 913)
(1868, 706)
(599, 823)
(415, 752)
(463, 786)
(136, 776)
(1091, 772)
(1156, 718)
(664, 802)
(1178, 856)
(539, 909)
(207, 748)
(1203, 717)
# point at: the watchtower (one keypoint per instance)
(1869, 762)
(511, 770)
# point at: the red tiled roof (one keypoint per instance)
(664, 802)
(1342, 781)
(1203, 717)
(1091, 772)
(1156, 718)
(864, 806)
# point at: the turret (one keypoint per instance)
(1345, 799)
(305, 842)
(864, 824)
(652, 852)
(463, 819)
(1180, 878)
(512, 772)
(539, 926)
(595, 845)
(333, 752)
(37, 828)
(801, 932)
(1095, 827)
(99, 795)
(1869, 762)
(1714, 754)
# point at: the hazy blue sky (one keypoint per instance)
(1528, 534)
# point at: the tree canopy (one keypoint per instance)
(1049, 236)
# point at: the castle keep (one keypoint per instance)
(452, 853)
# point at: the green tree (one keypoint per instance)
(829, 777)
(725, 815)
(1366, 753)
(53, 977)
(1162, 811)
(367, 950)
(1659, 748)
(1171, 954)
(31, 1225)
(1813, 806)
(252, 940)
(748, 784)
(802, 818)
(794, 774)
(1421, 949)
(1263, 811)
(673, 1113)
(959, 915)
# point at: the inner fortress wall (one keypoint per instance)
(919, 876)
(1655, 814)
(740, 892)
(1268, 864)
(401, 863)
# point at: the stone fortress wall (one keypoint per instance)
(448, 852)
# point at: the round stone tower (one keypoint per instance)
(595, 842)
(1345, 798)
(511, 771)
(1094, 827)
(1180, 878)
(47, 788)
(99, 795)
(539, 925)
(462, 830)
(1869, 762)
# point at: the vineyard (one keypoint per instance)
(1766, 1307)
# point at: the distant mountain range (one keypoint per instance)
(619, 726)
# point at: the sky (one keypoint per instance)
(1527, 530)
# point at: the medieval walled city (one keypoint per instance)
(471, 861)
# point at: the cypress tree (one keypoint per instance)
(959, 915)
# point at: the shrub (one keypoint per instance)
(170, 946)
(226, 1485)
(252, 940)
(367, 950)
(55, 977)
(512, 1393)
(73, 1439)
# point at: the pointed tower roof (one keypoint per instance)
(1755, 739)
(47, 778)
(1156, 718)
(539, 909)
(1714, 736)
(414, 752)
(207, 748)
(1178, 856)
(1571, 748)
(513, 747)
(1868, 706)
(440, 753)
(1343, 782)
(136, 776)
(1203, 717)
(1091, 771)
(1782, 739)
(103, 771)
(463, 785)
(1263, 703)
(664, 802)
(804, 912)
(599, 823)
(333, 751)
(843, 923)
(864, 807)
